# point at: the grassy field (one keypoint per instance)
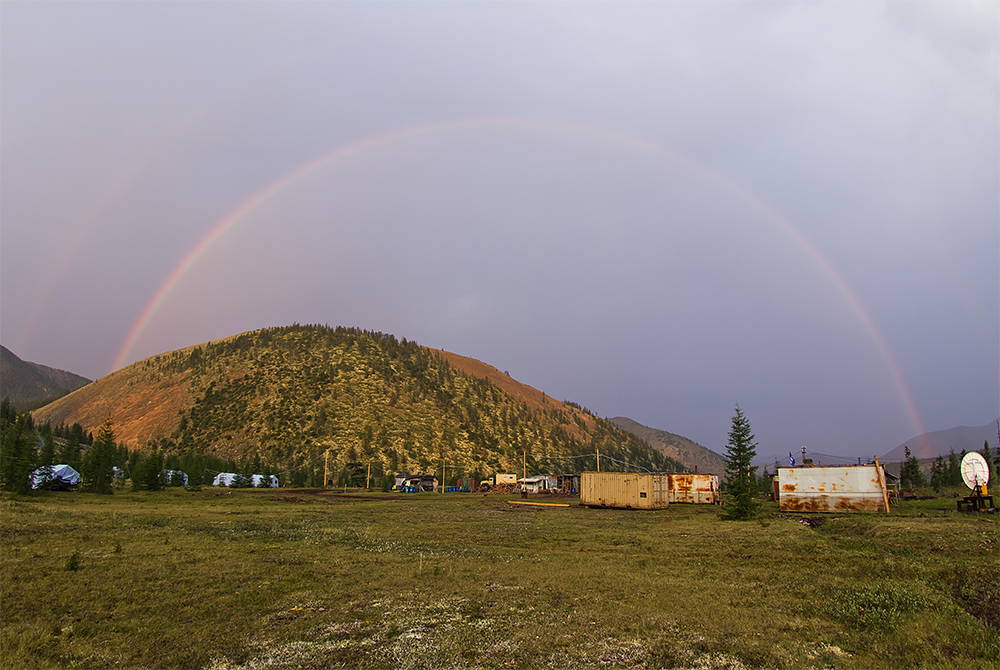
(316, 579)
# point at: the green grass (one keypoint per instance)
(286, 579)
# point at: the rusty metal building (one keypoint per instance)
(852, 488)
(627, 490)
(693, 488)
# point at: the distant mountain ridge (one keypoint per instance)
(688, 452)
(300, 399)
(940, 442)
(29, 385)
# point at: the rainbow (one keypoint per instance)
(346, 151)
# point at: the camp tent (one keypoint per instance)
(54, 476)
(272, 480)
(226, 479)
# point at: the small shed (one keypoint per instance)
(627, 490)
(694, 488)
(568, 484)
(847, 488)
(538, 483)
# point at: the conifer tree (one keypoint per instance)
(939, 473)
(98, 466)
(954, 468)
(740, 473)
(910, 476)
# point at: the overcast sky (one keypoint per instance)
(657, 210)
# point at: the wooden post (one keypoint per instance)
(326, 468)
(881, 481)
(369, 477)
(598, 460)
(524, 470)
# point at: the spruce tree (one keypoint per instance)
(98, 466)
(740, 472)
(910, 475)
(939, 474)
(954, 468)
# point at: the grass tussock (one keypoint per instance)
(188, 579)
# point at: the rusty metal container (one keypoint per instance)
(853, 488)
(627, 490)
(691, 488)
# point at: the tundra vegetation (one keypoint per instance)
(300, 578)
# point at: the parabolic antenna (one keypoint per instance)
(975, 471)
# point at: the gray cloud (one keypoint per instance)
(654, 209)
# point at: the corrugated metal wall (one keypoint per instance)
(831, 489)
(631, 490)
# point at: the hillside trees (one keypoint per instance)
(740, 472)
(17, 453)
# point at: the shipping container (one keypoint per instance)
(852, 488)
(629, 490)
(692, 488)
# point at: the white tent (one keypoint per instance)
(226, 479)
(54, 476)
(271, 479)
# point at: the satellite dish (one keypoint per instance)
(975, 471)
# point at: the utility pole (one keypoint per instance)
(326, 468)
(598, 460)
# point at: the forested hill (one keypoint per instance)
(28, 385)
(294, 400)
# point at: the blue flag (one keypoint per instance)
(791, 459)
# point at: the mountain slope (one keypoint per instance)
(303, 398)
(691, 454)
(28, 385)
(940, 442)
